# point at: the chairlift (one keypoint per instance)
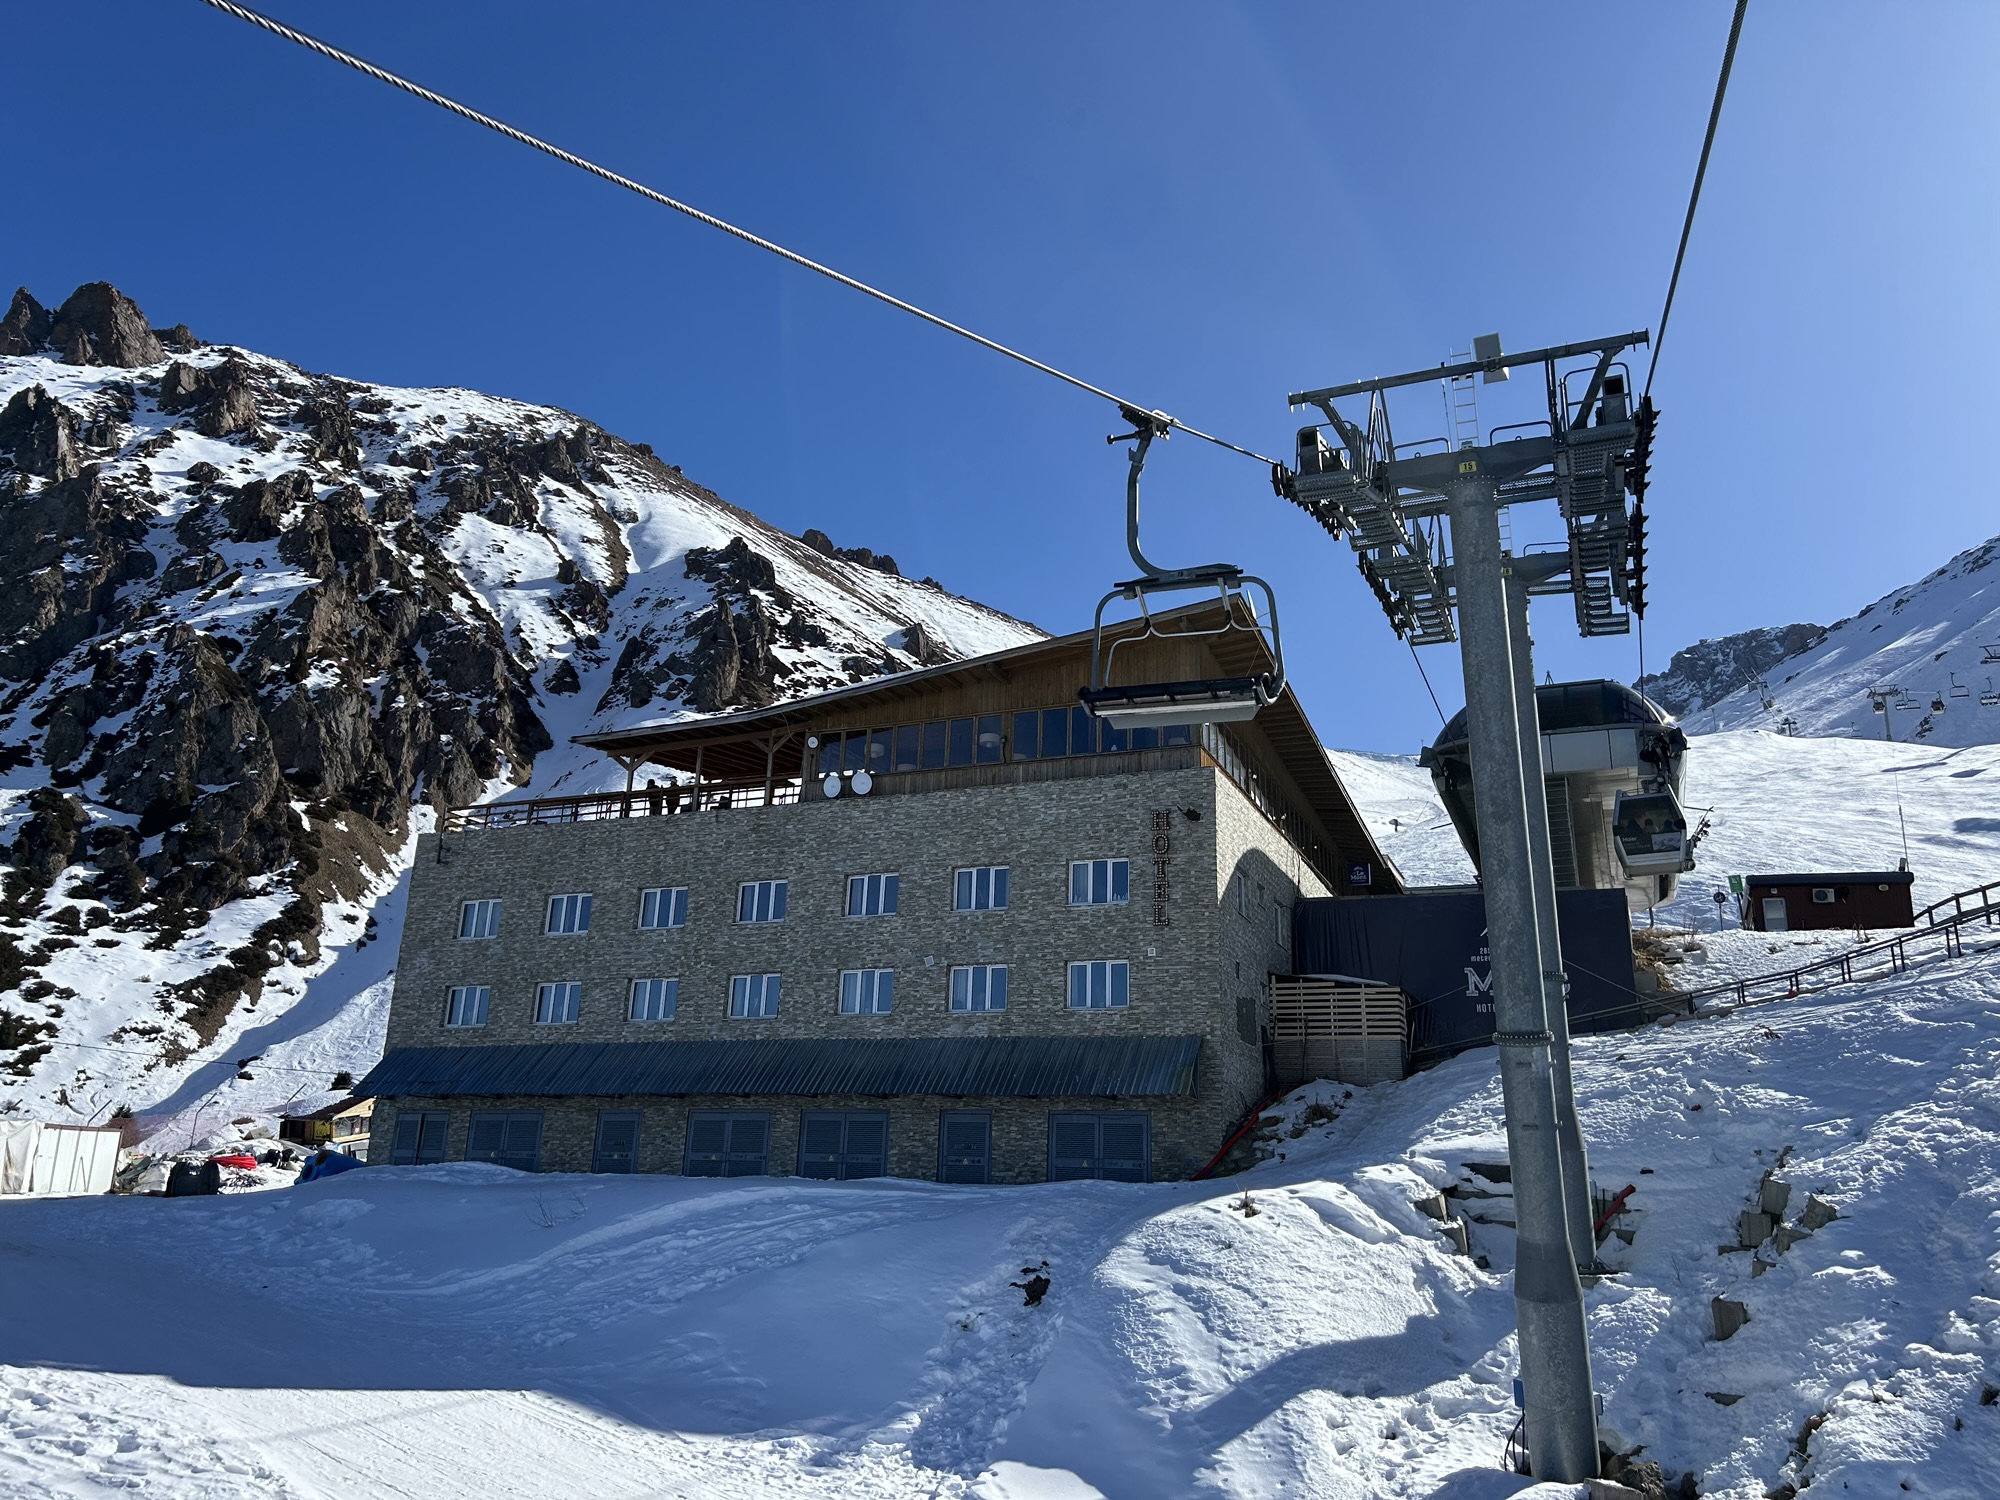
(1937, 704)
(1203, 701)
(1988, 655)
(1650, 831)
(1907, 705)
(1959, 689)
(1989, 698)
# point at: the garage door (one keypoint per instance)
(843, 1144)
(728, 1143)
(419, 1137)
(513, 1139)
(965, 1146)
(1113, 1145)
(617, 1145)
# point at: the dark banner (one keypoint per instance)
(1433, 945)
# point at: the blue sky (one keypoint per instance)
(1203, 207)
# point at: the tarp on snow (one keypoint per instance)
(56, 1160)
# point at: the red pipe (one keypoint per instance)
(1611, 1209)
(1241, 1131)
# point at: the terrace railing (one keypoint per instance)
(641, 802)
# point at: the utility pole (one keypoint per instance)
(1391, 507)
(1879, 698)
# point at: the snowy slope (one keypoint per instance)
(257, 625)
(462, 1331)
(1929, 639)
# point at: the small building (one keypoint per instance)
(1803, 903)
(940, 924)
(309, 1129)
(351, 1122)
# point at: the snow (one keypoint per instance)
(1937, 640)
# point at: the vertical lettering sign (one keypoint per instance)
(1163, 859)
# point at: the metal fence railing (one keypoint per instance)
(644, 802)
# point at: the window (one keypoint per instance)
(935, 738)
(466, 1005)
(982, 888)
(842, 1145)
(479, 919)
(419, 1138)
(513, 1139)
(1103, 985)
(907, 738)
(557, 1004)
(1283, 914)
(664, 906)
(1116, 1146)
(1099, 882)
(872, 895)
(867, 992)
(753, 995)
(1242, 895)
(569, 914)
(654, 999)
(727, 1143)
(761, 901)
(979, 987)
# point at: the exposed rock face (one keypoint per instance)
(100, 325)
(1709, 671)
(821, 543)
(250, 618)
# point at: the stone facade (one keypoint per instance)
(1198, 954)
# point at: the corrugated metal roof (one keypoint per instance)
(1011, 1066)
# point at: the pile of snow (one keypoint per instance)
(463, 1330)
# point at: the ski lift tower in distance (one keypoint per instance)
(1392, 507)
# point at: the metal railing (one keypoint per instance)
(642, 802)
(1943, 934)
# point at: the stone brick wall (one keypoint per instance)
(1192, 957)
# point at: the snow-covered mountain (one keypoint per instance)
(1710, 670)
(258, 624)
(1937, 642)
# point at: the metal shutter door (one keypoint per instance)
(487, 1138)
(432, 1129)
(524, 1142)
(820, 1135)
(866, 1153)
(707, 1141)
(964, 1144)
(403, 1150)
(617, 1148)
(1072, 1147)
(749, 1140)
(1124, 1141)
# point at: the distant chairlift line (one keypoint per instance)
(1211, 700)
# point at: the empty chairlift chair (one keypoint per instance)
(1195, 701)
(1651, 833)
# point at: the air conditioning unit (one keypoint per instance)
(1822, 895)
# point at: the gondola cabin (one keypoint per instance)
(1612, 765)
(1804, 903)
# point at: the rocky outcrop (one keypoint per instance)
(25, 329)
(100, 325)
(1710, 670)
(221, 397)
(38, 435)
(821, 543)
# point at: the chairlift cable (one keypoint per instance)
(430, 96)
(1694, 197)
(1427, 681)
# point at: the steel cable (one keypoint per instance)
(464, 111)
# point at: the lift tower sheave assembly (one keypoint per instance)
(1393, 505)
